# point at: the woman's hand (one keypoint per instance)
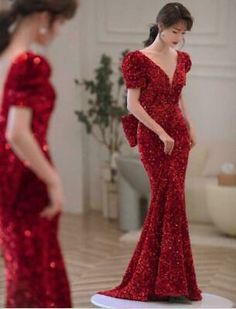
(168, 142)
(192, 135)
(57, 199)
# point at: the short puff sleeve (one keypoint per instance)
(187, 62)
(133, 70)
(25, 80)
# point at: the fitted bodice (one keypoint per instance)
(156, 88)
(158, 95)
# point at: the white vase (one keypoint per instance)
(109, 193)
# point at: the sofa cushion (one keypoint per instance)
(196, 198)
(219, 153)
(199, 182)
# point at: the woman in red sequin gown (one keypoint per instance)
(161, 267)
(31, 194)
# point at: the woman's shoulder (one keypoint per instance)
(133, 70)
(186, 58)
(184, 54)
(31, 64)
(133, 58)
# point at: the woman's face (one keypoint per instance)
(49, 29)
(173, 35)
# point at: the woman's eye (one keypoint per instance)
(175, 32)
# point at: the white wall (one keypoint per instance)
(111, 26)
(68, 147)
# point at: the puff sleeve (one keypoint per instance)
(25, 81)
(187, 61)
(133, 70)
(134, 75)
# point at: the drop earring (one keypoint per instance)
(162, 35)
(43, 30)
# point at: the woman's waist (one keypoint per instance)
(161, 107)
(169, 118)
(168, 112)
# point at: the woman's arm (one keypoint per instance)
(192, 133)
(21, 138)
(184, 110)
(134, 106)
(24, 144)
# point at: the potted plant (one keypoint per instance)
(101, 117)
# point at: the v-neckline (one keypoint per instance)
(162, 70)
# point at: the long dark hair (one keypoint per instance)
(170, 14)
(23, 8)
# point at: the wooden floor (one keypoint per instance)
(96, 260)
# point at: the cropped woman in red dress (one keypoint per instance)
(31, 194)
(161, 267)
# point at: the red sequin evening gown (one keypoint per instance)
(162, 263)
(34, 266)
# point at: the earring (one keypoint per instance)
(43, 30)
(162, 34)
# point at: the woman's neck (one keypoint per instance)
(159, 46)
(22, 38)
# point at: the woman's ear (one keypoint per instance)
(160, 26)
(44, 19)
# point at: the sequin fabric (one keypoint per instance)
(162, 263)
(34, 266)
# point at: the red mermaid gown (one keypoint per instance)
(162, 263)
(34, 266)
